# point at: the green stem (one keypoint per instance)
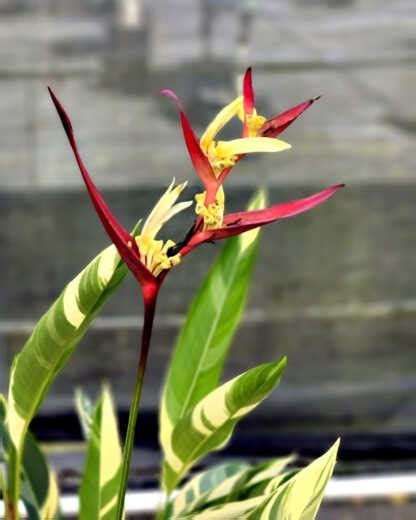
(4, 492)
(149, 298)
(12, 511)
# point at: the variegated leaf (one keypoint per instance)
(209, 425)
(230, 511)
(201, 485)
(101, 478)
(270, 469)
(40, 493)
(85, 411)
(55, 337)
(297, 499)
(236, 486)
(205, 338)
(300, 497)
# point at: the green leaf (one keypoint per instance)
(40, 492)
(205, 338)
(265, 472)
(201, 485)
(216, 486)
(300, 497)
(39, 487)
(85, 411)
(55, 337)
(209, 425)
(230, 511)
(101, 478)
(296, 499)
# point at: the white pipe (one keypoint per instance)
(339, 489)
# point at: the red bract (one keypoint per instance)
(198, 158)
(277, 124)
(237, 223)
(212, 159)
(121, 238)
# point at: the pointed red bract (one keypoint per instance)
(248, 100)
(121, 238)
(248, 92)
(275, 126)
(197, 155)
(237, 223)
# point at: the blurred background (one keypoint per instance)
(333, 289)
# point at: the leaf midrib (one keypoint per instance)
(206, 347)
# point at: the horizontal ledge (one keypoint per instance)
(94, 66)
(339, 489)
(364, 311)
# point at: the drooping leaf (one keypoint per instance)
(205, 338)
(202, 485)
(300, 497)
(209, 425)
(55, 337)
(102, 472)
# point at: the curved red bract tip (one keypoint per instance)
(237, 223)
(248, 100)
(198, 158)
(121, 238)
(275, 126)
(248, 93)
(169, 93)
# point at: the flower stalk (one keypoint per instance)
(149, 297)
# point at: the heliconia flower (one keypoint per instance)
(257, 125)
(146, 257)
(213, 160)
(237, 223)
(210, 157)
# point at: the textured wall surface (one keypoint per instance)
(334, 290)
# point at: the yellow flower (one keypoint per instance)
(154, 253)
(222, 155)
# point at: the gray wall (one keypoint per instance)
(334, 289)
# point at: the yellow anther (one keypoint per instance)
(214, 213)
(153, 254)
(218, 160)
(254, 123)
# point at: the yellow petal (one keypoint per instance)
(219, 121)
(164, 210)
(250, 145)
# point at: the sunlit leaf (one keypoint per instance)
(205, 338)
(230, 511)
(55, 337)
(300, 497)
(209, 425)
(201, 485)
(40, 493)
(229, 482)
(85, 411)
(101, 478)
